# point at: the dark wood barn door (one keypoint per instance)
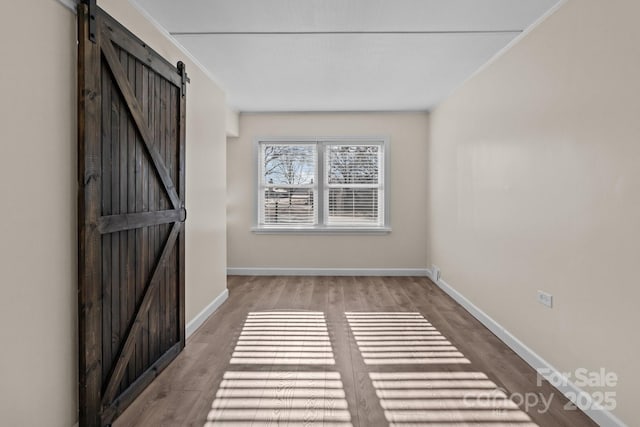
(131, 172)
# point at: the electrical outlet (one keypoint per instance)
(545, 299)
(435, 273)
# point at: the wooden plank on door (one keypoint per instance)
(89, 239)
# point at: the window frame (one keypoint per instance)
(321, 187)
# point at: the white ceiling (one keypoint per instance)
(343, 55)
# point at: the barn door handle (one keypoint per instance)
(183, 214)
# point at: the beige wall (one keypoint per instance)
(404, 247)
(233, 122)
(535, 184)
(38, 361)
(38, 186)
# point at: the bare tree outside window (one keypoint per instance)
(353, 180)
(289, 164)
(353, 164)
(289, 172)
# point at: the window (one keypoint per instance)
(322, 185)
(289, 191)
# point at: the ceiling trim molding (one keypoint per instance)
(72, 5)
(261, 33)
(505, 49)
(176, 43)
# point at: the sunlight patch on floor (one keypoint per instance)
(270, 390)
(284, 338)
(402, 338)
(445, 398)
(280, 398)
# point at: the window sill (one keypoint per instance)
(321, 230)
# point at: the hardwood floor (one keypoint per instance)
(346, 351)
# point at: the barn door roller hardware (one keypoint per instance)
(183, 75)
(92, 18)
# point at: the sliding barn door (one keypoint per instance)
(131, 172)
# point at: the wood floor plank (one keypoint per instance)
(333, 287)
(284, 315)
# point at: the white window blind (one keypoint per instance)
(353, 186)
(336, 184)
(288, 184)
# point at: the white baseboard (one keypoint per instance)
(268, 271)
(603, 417)
(197, 321)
